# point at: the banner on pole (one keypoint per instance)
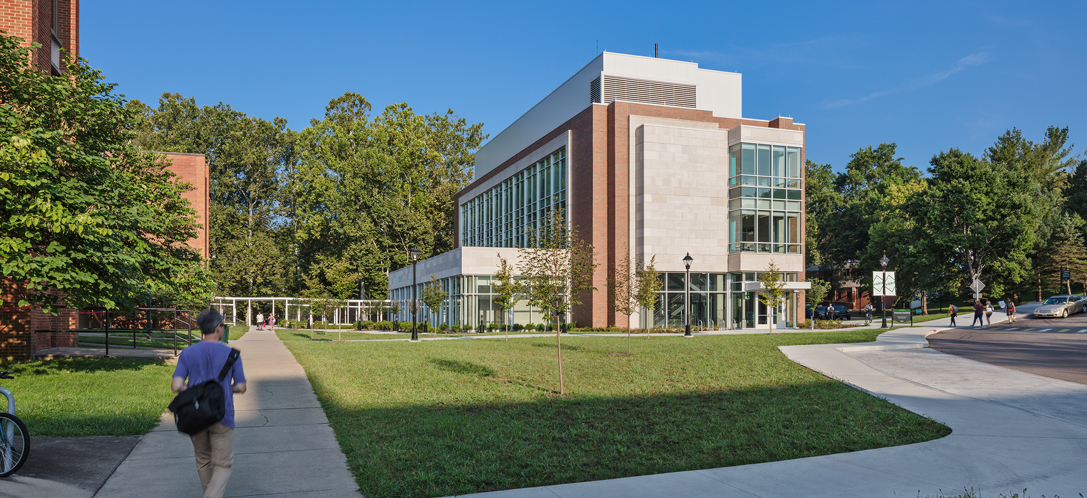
(883, 283)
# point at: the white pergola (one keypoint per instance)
(354, 309)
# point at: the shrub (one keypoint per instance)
(517, 326)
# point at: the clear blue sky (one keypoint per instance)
(927, 75)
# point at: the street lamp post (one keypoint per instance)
(687, 300)
(883, 292)
(414, 303)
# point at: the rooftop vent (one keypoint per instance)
(606, 89)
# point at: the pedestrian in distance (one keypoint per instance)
(272, 322)
(979, 309)
(954, 312)
(830, 311)
(988, 312)
(214, 446)
(260, 321)
(1010, 309)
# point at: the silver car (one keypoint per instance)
(1060, 306)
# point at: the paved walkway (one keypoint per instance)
(1011, 430)
(283, 445)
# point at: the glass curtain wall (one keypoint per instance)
(749, 312)
(506, 214)
(469, 301)
(765, 190)
(709, 301)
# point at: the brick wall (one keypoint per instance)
(32, 20)
(16, 341)
(192, 169)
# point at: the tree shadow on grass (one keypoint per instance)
(463, 367)
(82, 365)
(551, 345)
(486, 446)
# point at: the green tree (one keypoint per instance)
(823, 202)
(1047, 162)
(979, 215)
(557, 267)
(507, 290)
(82, 211)
(864, 189)
(623, 289)
(1066, 252)
(773, 284)
(369, 188)
(433, 295)
(246, 160)
(647, 284)
(818, 292)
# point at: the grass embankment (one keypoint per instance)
(449, 417)
(90, 396)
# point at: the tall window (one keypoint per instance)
(505, 215)
(764, 198)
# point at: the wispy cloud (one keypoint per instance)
(823, 51)
(917, 83)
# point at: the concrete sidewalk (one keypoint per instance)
(1011, 430)
(283, 444)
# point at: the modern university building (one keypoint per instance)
(648, 157)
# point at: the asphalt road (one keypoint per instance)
(1052, 347)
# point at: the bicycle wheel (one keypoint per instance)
(14, 444)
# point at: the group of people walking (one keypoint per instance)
(270, 322)
(984, 309)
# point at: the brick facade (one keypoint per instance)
(32, 20)
(192, 169)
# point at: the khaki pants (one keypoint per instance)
(214, 448)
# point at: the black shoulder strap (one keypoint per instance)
(230, 359)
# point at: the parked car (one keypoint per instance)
(1061, 306)
(841, 312)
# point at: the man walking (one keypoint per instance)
(260, 321)
(954, 312)
(214, 446)
(978, 310)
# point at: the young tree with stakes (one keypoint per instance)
(556, 268)
(507, 289)
(626, 285)
(773, 295)
(647, 284)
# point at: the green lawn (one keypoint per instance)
(449, 417)
(351, 335)
(90, 396)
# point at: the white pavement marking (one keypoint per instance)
(1045, 330)
(1013, 328)
(1081, 331)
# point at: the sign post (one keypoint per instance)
(977, 287)
(883, 284)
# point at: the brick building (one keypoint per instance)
(52, 23)
(649, 157)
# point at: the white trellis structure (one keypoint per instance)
(295, 308)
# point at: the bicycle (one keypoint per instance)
(14, 437)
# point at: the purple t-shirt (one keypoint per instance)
(202, 362)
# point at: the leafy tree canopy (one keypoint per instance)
(82, 210)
